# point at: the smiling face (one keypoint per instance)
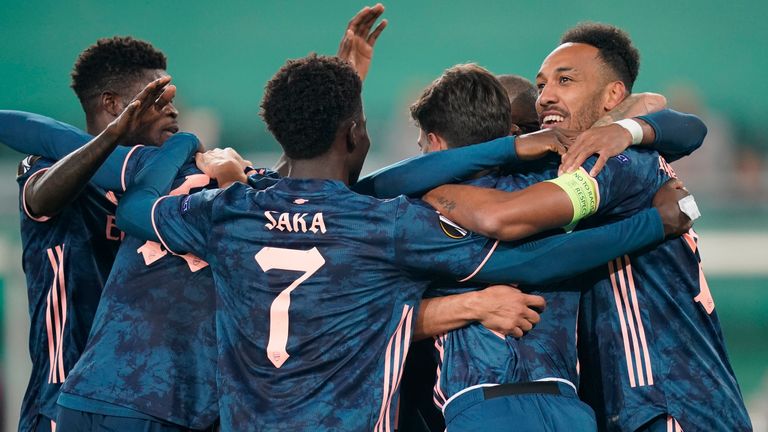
(574, 88)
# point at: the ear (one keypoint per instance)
(112, 103)
(615, 93)
(436, 142)
(351, 138)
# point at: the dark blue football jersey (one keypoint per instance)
(66, 260)
(650, 341)
(347, 271)
(152, 350)
(474, 355)
(317, 295)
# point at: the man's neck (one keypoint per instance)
(327, 166)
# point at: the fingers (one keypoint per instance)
(166, 97)
(355, 21)
(574, 158)
(516, 333)
(345, 46)
(536, 302)
(599, 164)
(151, 90)
(376, 32)
(370, 17)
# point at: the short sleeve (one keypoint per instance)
(30, 167)
(136, 158)
(430, 244)
(182, 222)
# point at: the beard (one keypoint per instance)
(589, 114)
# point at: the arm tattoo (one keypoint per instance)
(447, 204)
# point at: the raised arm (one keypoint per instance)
(357, 44)
(48, 193)
(415, 176)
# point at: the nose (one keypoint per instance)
(547, 96)
(170, 110)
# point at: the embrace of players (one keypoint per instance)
(172, 289)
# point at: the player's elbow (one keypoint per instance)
(654, 102)
(698, 133)
(491, 224)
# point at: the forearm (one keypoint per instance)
(675, 134)
(559, 257)
(442, 314)
(504, 215)
(415, 176)
(50, 192)
(134, 214)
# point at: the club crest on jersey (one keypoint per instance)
(451, 229)
(296, 222)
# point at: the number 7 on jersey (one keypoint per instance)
(269, 258)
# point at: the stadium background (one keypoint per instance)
(705, 56)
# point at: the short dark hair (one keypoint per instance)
(614, 46)
(306, 101)
(466, 105)
(113, 64)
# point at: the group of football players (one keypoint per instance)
(536, 267)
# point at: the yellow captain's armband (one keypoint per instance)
(582, 190)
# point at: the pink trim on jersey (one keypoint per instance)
(154, 225)
(673, 425)
(56, 317)
(24, 199)
(57, 292)
(630, 322)
(392, 368)
(638, 318)
(493, 248)
(125, 165)
(438, 396)
(53, 426)
(63, 300)
(49, 328)
(622, 323)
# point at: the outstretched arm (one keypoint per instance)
(152, 181)
(558, 257)
(48, 193)
(415, 176)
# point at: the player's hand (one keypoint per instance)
(150, 100)
(605, 141)
(358, 41)
(507, 310)
(538, 144)
(666, 201)
(224, 165)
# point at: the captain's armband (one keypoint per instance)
(582, 190)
